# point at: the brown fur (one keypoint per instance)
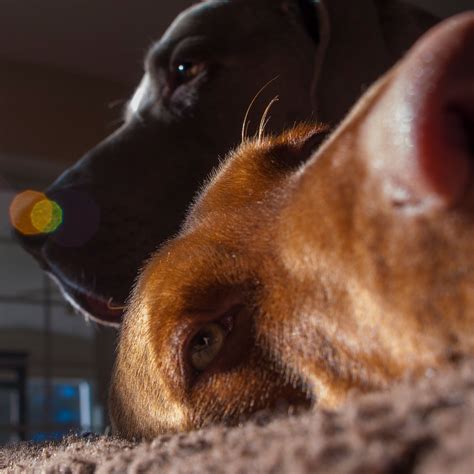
(346, 272)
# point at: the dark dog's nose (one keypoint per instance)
(67, 216)
(33, 217)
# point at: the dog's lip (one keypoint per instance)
(104, 311)
(90, 306)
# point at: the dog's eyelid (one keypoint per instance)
(215, 314)
(189, 49)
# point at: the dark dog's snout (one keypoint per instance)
(33, 244)
(80, 216)
(74, 201)
(85, 231)
(67, 216)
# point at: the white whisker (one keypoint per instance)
(264, 120)
(246, 123)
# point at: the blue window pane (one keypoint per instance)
(39, 437)
(66, 391)
(51, 436)
(63, 414)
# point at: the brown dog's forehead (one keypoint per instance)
(220, 247)
(244, 181)
(222, 229)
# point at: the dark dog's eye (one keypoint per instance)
(206, 345)
(186, 71)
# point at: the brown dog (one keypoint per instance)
(291, 279)
(131, 192)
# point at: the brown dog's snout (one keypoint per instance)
(429, 138)
(444, 95)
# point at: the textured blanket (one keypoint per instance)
(423, 427)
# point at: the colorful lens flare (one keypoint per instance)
(46, 216)
(33, 213)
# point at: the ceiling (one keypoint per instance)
(103, 38)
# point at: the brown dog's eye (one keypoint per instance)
(186, 71)
(205, 345)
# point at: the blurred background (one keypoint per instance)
(66, 71)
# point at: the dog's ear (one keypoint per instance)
(297, 145)
(310, 142)
(419, 138)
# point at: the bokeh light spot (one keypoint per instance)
(46, 216)
(32, 213)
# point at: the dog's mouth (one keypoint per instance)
(92, 307)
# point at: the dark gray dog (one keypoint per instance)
(130, 193)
